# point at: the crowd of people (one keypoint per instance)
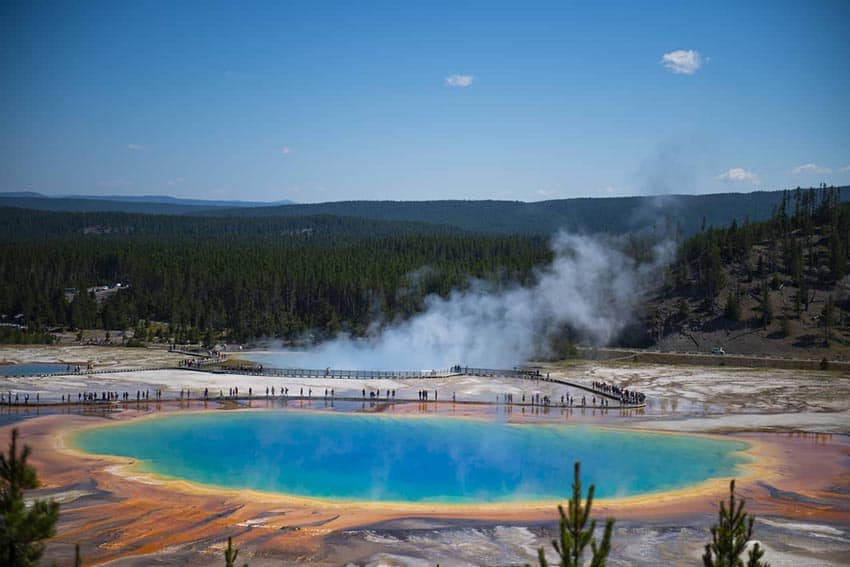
(605, 393)
(625, 396)
(110, 396)
(566, 400)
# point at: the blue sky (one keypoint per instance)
(320, 101)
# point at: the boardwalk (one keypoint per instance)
(215, 367)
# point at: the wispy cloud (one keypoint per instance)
(547, 191)
(810, 168)
(459, 80)
(844, 169)
(175, 182)
(285, 151)
(738, 175)
(135, 147)
(683, 62)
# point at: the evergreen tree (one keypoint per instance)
(729, 537)
(837, 257)
(827, 315)
(209, 338)
(230, 554)
(22, 530)
(803, 293)
(785, 325)
(766, 306)
(794, 264)
(683, 310)
(713, 273)
(575, 534)
(733, 306)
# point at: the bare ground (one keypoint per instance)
(681, 398)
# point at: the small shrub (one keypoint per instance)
(730, 535)
(575, 534)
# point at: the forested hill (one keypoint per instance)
(88, 205)
(687, 214)
(189, 278)
(151, 204)
(773, 287)
(615, 215)
(26, 224)
(186, 277)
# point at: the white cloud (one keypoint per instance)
(459, 80)
(844, 169)
(810, 168)
(547, 191)
(285, 151)
(738, 175)
(175, 182)
(135, 147)
(682, 62)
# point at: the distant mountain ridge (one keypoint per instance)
(614, 215)
(92, 205)
(159, 199)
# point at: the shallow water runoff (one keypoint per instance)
(410, 459)
(33, 369)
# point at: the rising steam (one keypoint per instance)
(590, 286)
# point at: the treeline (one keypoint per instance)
(662, 215)
(27, 224)
(282, 276)
(249, 285)
(806, 243)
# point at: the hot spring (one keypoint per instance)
(410, 459)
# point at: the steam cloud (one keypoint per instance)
(590, 286)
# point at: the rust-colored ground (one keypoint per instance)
(114, 512)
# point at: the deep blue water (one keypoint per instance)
(31, 369)
(415, 459)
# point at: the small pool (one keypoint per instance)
(33, 369)
(410, 459)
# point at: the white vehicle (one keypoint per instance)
(718, 350)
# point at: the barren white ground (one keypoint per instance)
(680, 398)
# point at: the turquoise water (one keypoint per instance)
(414, 459)
(31, 369)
